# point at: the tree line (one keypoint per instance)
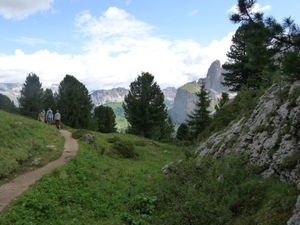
(144, 106)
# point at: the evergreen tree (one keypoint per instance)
(200, 118)
(250, 54)
(222, 101)
(106, 119)
(31, 98)
(74, 102)
(183, 132)
(6, 104)
(48, 100)
(144, 107)
(236, 70)
(168, 129)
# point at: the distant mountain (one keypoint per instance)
(11, 90)
(184, 102)
(99, 97)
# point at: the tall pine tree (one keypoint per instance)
(250, 54)
(74, 103)
(144, 107)
(200, 118)
(106, 119)
(48, 100)
(31, 98)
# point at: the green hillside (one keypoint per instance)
(22, 140)
(192, 87)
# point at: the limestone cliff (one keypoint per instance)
(185, 98)
(271, 135)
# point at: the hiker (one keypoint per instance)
(49, 116)
(57, 118)
(42, 116)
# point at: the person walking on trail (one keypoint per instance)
(57, 118)
(49, 116)
(42, 116)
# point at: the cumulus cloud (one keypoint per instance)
(20, 9)
(118, 47)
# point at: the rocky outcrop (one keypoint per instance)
(184, 103)
(214, 79)
(169, 94)
(185, 99)
(271, 136)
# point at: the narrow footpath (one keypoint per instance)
(11, 190)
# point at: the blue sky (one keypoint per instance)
(107, 43)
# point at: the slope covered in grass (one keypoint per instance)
(99, 186)
(23, 140)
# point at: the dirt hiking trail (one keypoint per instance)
(11, 190)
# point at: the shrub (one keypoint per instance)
(113, 139)
(124, 148)
(79, 133)
(290, 162)
(141, 143)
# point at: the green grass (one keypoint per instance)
(22, 140)
(192, 87)
(102, 185)
(98, 186)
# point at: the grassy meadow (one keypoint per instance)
(99, 186)
(22, 140)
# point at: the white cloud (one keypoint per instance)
(257, 8)
(193, 13)
(119, 48)
(20, 9)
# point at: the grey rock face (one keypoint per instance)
(214, 78)
(100, 97)
(270, 136)
(184, 101)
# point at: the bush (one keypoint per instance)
(125, 148)
(141, 143)
(79, 133)
(113, 139)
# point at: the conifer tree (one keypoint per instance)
(250, 53)
(106, 119)
(31, 98)
(183, 132)
(222, 101)
(49, 100)
(200, 118)
(144, 107)
(6, 104)
(74, 102)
